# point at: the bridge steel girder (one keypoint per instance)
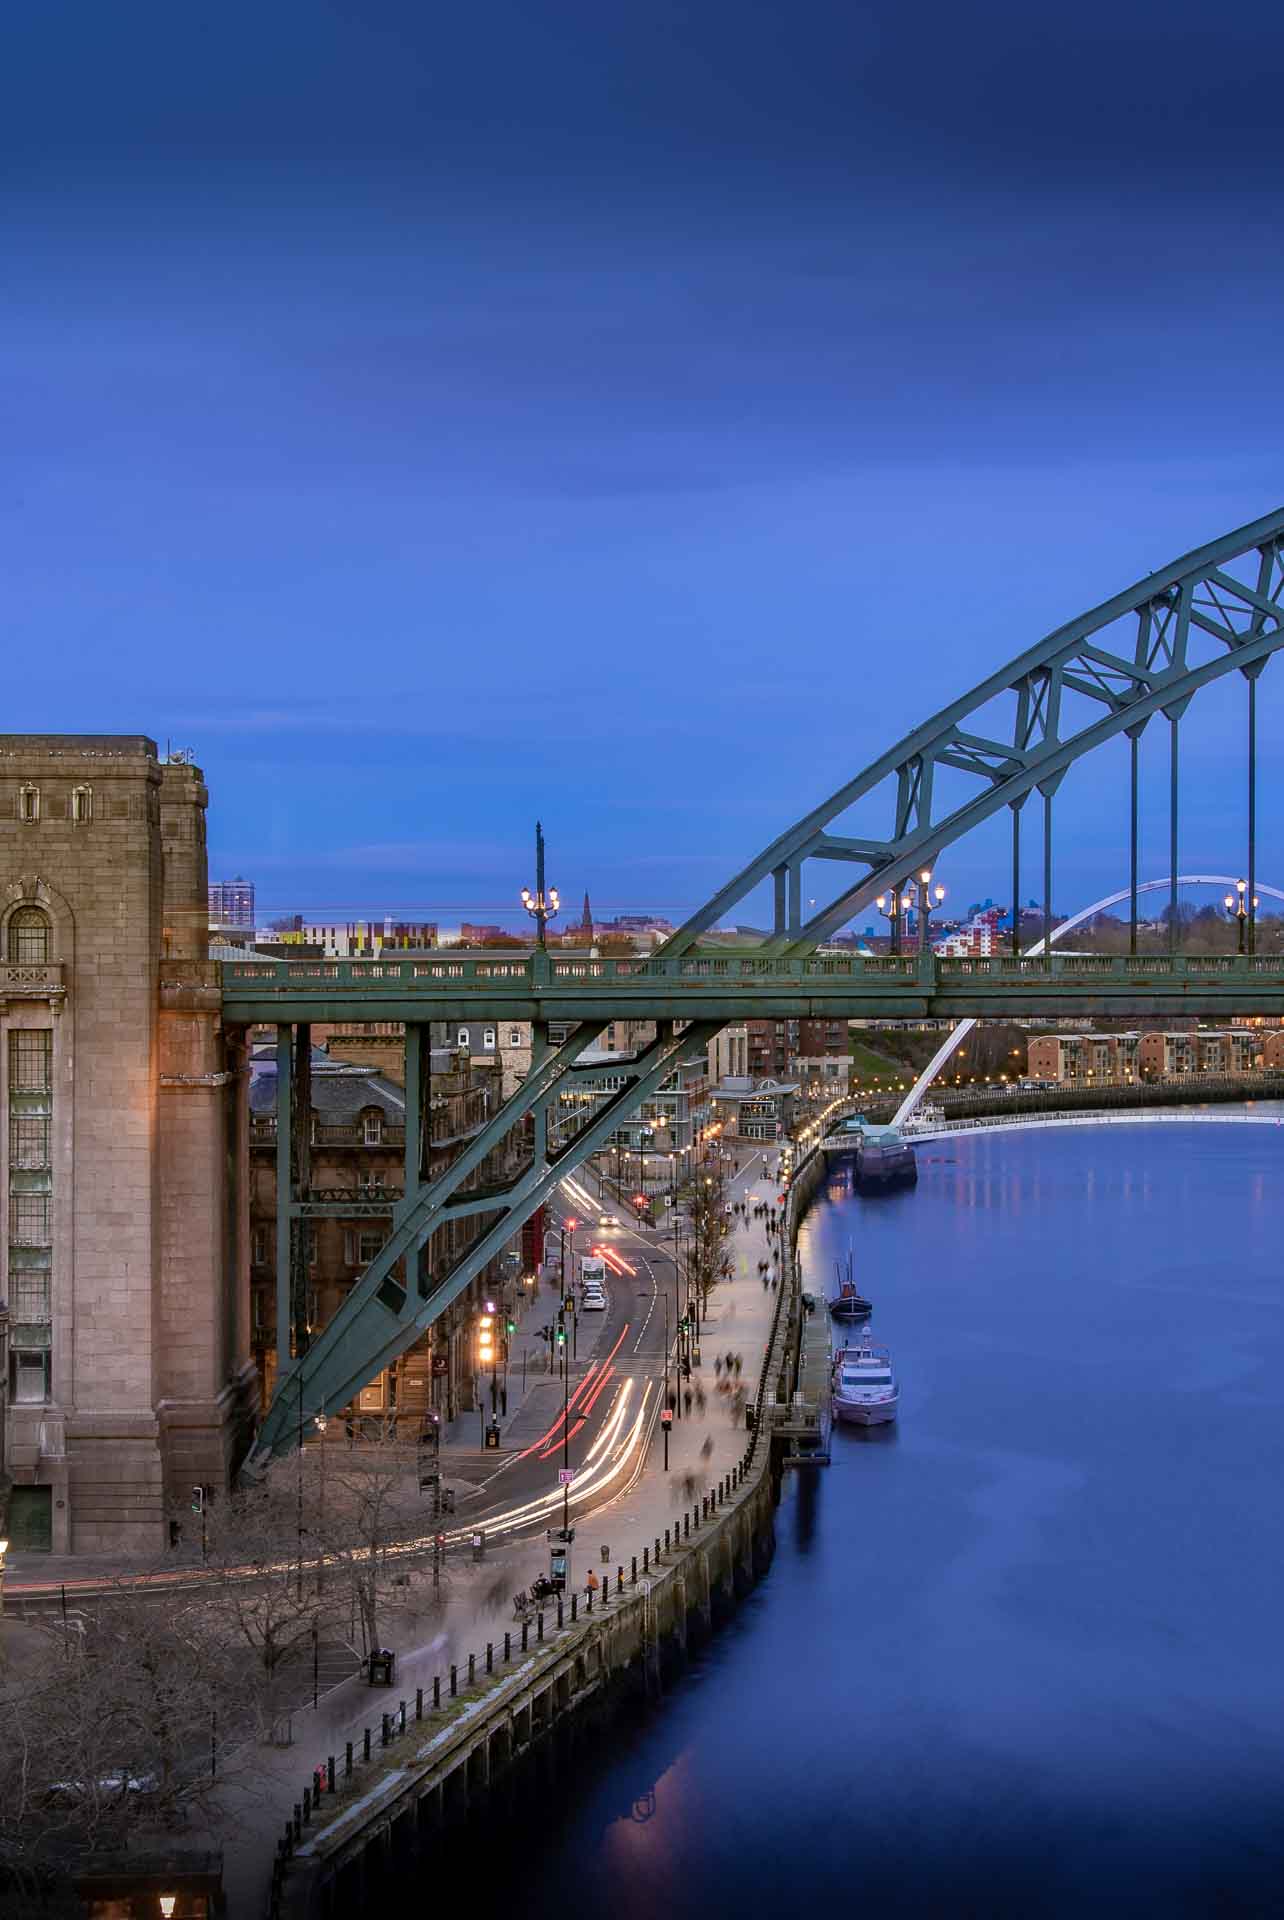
(380, 1318)
(1196, 592)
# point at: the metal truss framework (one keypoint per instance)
(1219, 610)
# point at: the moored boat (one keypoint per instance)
(865, 1389)
(848, 1303)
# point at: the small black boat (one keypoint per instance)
(847, 1303)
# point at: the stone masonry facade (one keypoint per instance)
(130, 1377)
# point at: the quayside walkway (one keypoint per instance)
(474, 1610)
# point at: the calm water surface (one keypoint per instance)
(1020, 1653)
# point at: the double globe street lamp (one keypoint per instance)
(542, 906)
(1243, 912)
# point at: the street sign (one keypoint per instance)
(565, 1475)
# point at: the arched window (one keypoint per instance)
(28, 803)
(82, 805)
(29, 938)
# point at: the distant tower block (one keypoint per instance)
(127, 1279)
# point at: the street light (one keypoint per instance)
(542, 906)
(928, 897)
(1237, 907)
(895, 905)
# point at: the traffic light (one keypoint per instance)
(198, 1499)
(568, 1305)
(510, 1328)
(561, 1336)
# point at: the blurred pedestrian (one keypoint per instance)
(717, 1365)
(687, 1398)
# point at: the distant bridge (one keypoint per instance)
(1143, 655)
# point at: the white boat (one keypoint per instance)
(865, 1392)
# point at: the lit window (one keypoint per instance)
(28, 804)
(488, 1039)
(82, 805)
(29, 938)
(463, 1037)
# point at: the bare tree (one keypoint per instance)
(710, 1228)
(370, 1524)
(263, 1549)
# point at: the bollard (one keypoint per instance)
(307, 1806)
(508, 1647)
(646, 1559)
(619, 1580)
(539, 1624)
(436, 1693)
(657, 1549)
(419, 1703)
(347, 1761)
(383, 1730)
(589, 1607)
(298, 1822)
(454, 1680)
(574, 1603)
(666, 1539)
(472, 1669)
(365, 1745)
(329, 1774)
(686, 1526)
(402, 1727)
(633, 1575)
(287, 1845)
(526, 1625)
(559, 1616)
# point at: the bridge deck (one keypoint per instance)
(732, 986)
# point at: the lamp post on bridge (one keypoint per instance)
(1240, 910)
(895, 905)
(542, 906)
(928, 897)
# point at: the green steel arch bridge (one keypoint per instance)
(1143, 655)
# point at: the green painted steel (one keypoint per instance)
(381, 1317)
(726, 986)
(1148, 651)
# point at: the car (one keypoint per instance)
(593, 1300)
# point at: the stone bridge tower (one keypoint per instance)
(129, 1375)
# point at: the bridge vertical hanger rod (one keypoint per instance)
(539, 1118)
(1132, 856)
(1172, 835)
(416, 1103)
(1016, 883)
(795, 896)
(1047, 879)
(778, 889)
(1252, 813)
(284, 1173)
(301, 1228)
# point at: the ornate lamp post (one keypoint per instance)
(1238, 907)
(542, 906)
(928, 897)
(895, 905)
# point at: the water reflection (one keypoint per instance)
(1018, 1653)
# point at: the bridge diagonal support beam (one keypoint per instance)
(285, 1193)
(379, 1320)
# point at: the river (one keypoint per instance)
(1019, 1653)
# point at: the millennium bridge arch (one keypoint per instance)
(1142, 655)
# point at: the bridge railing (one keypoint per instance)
(481, 974)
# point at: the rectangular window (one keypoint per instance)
(30, 1059)
(514, 1036)
(259, 1247)
(29, 1297)
(29, 1219)
(373, 1130)
(368, 1245)
(29, 1140)
(29, 1378)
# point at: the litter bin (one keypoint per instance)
(606, 1554)
(383, 1667)
(492, 1434)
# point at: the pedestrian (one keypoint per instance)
(717, 1365)
(764, 1282)
(707, 1449)
(700, 1399)
(739, 1364)
(687, 1398)
(591, 1583)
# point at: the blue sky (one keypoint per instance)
(438, 416)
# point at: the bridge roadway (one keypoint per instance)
(724, 986)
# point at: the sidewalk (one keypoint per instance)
(475, 1606)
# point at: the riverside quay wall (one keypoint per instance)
(366, 1818)
(426, 1765)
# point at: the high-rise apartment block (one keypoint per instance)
(232, 903)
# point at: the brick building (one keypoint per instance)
(1102, 1059)
(357, 1148)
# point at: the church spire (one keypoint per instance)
(586, 918)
